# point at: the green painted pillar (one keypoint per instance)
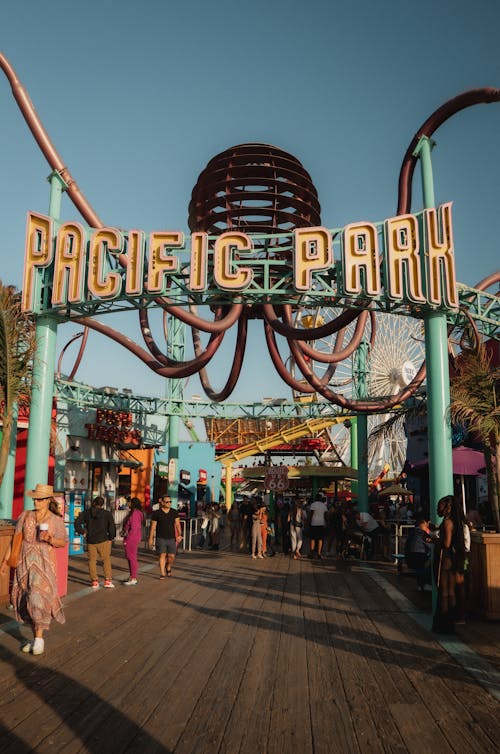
(362, 437)
(314, 487)
(438, 377)
(354, 450)
(7, 486)
(361, 391)
(438, 401)
(42, 389)
(176, 337)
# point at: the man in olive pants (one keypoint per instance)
(98, 527)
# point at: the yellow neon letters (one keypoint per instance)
(412, 260)
(403, 273)
(160, 262)
(313, 251)
(104, 284)
(360, 254)
(69, 266)
(226, 277)
(38, 255)
(198, 271)
(135, 262)
(441, 284)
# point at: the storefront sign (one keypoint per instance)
(184, 476)
(114, 427)
(162, 469)
(202, 476)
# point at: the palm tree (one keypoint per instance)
(17, 345)
(475, 403)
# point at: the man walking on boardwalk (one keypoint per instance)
(166, 526)
(98, 526)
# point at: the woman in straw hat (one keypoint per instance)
(34, 592)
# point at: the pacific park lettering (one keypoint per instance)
(411, 260)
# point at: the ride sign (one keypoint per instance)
(276, 478)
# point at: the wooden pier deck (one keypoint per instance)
(239, 655)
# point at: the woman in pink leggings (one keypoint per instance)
(132, 535)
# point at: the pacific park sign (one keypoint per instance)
(407, 258)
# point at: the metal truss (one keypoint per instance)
(88, 397)
(482, 307)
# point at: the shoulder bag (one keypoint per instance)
(15, 550)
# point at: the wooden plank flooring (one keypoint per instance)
(240, 655)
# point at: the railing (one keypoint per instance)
(399, 532)
(189, 528)
(119, 518)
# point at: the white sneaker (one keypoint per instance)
(38, 647)
(26, 648)
(130, 582)
(254, 556)
(260, 555)
(108, 584)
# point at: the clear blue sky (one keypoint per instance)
(138, 96)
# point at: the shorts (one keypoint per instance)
(168, 546)
(317, 532)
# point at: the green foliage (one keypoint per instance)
(475, 395)
(17, 344)
(475, 392)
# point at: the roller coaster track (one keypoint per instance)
(306, 429)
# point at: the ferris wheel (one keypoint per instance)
(392, 361)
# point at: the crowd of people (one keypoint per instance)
(297, 528)
(301, 528)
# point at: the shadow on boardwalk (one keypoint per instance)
(74, 705)
(237, 655)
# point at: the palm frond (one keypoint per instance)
(17, 346)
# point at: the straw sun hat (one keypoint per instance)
(41, 492)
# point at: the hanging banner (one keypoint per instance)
(171, 470)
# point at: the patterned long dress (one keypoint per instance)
(34, 592)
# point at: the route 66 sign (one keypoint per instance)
(276, 478)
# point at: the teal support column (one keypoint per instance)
(361, 391)
(314, 487)
(354, 451)
(7, 486)
(362, 437)
(438, 377)
(438, 401)
(42, 389)
(173, 459)
(176, 337)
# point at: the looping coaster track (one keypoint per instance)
(220, 203)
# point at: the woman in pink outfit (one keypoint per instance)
(132, 535)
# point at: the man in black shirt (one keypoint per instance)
(166, 525)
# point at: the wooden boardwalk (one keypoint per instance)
(240, 655)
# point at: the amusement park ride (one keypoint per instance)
(364, 312)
